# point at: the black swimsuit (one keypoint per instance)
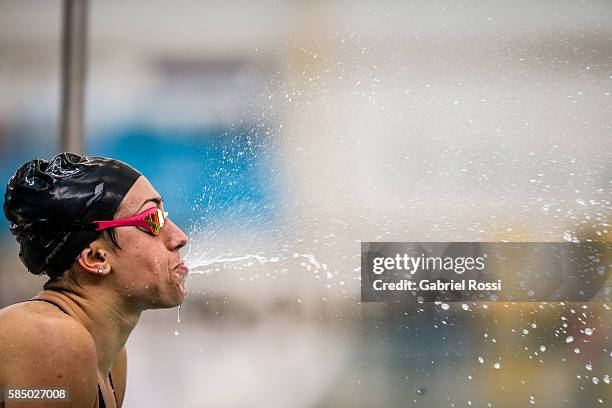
(101, 403)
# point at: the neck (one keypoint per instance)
(108, 320)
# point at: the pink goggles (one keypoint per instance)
(152, 220)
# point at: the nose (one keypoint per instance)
(175, 237)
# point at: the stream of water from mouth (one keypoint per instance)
(204, 266)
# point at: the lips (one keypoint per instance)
(181, 272)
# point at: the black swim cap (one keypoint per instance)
(44, 195)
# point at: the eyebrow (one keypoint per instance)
(156, 200)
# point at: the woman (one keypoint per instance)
(98, 229)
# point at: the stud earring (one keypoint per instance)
(100, 271)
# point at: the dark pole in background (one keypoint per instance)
(74, 53)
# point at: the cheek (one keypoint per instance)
(153, 266)
(141, 257)
(147, 263)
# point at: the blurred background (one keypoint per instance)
(281, 134)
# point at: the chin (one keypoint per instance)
(170, 302)
(167, 296)
(165, 303)
(178, 302)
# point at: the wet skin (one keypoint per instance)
(41, 346)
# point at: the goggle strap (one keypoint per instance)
(137, 220)
(144, 220)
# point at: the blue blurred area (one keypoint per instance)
(22, 142)
(201, 173)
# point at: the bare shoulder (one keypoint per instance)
(36, 314)
(42, 346)
(41, 325)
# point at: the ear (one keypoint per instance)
(94, 259)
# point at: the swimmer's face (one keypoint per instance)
(148, 270)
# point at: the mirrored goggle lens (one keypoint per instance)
(156, 221)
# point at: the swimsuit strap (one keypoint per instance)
(101, 403)
(101, 398)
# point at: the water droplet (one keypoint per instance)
(588, 331)
(577, 350)
(176, 332)
(589, 366)
(569, 339)
(595, 380)
(444, 306)
(542, 348)
(481, 360)
(497, 365)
